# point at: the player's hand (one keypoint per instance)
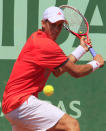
(83, 42)
(99, 59)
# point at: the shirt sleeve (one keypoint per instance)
(48, 54)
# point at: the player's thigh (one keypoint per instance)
(66, 123)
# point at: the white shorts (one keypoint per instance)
(34, 115)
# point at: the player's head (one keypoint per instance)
(52, 21)
(53, 14)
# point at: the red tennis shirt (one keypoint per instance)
(38, 58)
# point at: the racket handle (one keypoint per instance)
(92, 51)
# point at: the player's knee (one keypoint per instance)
(72, 124)
(66, 123)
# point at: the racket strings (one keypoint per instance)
(75, 21)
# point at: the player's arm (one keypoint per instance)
(72, 58)
(59, 71)
(81, 70)
(73, 69)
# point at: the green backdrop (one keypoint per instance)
(83, 98)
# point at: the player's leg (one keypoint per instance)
(66, 123)
(17, 128)
(38, 115)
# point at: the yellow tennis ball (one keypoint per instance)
(80, 32)
(48, 90)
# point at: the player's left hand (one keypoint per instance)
(83, 42)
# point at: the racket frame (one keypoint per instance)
(92, 51)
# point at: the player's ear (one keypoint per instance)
(43, 23)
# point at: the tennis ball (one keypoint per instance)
(48, 90)
(80, 32)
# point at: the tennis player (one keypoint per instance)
(40, 57)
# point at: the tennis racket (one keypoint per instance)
(77, 24)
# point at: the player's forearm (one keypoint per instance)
(78, 71)
(72, 58)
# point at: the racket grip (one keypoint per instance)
(92, 51)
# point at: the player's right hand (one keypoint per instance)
(100, 59)
(83, 42)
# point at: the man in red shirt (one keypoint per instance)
(39, 57)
